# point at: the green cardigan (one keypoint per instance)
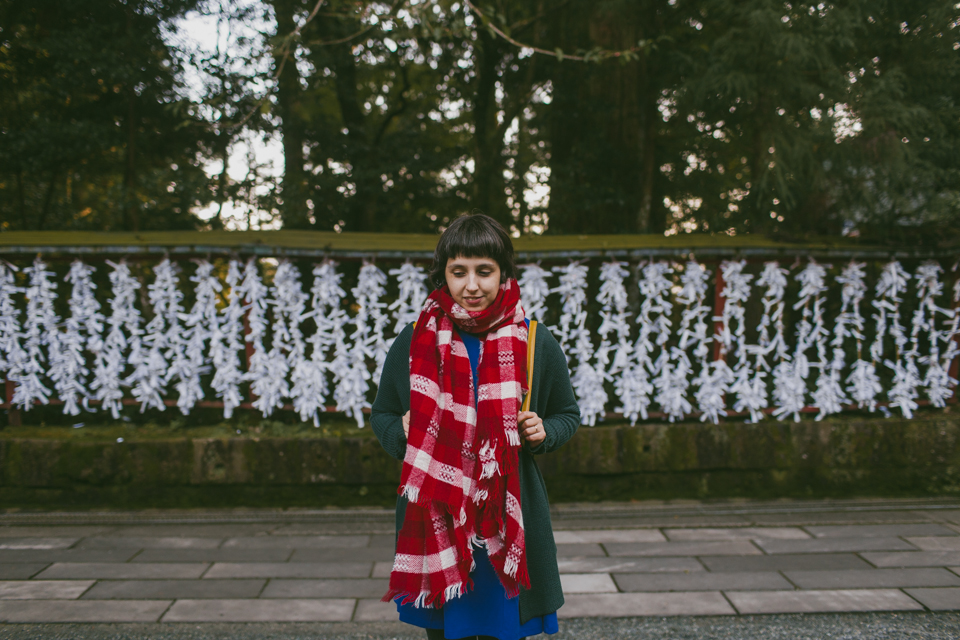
(553, 401)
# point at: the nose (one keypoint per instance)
(473, 282)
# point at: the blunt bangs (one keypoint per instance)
(473, 236)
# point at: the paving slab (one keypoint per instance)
(947, 515)
(20, 571)
(938, 599)
(381, 569)
(582, 550)
(53, 531)
(120, 571)
(43, 589)
(343, 588)
(82, 610)
(702, 581)
(213, 555)
(587, 583)
(911, 558)
(37, 543)
(618, 605)
(388, 541)
(628, 565)
(375, 611)
(938, 543)
(148, 542)
(832, 517)
(367, 554)
(607, 536)
(290, 570)
(176, 589)
(693, 548)
(330, 610)
(297, 542)
(796, 562)
(873, 578)
(736, 533)
(834, 545)
(649, 522)
(36, 556)
(227, 530)
(748, 602)
(879, 530)
(364, 527)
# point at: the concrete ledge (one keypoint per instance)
(848, 456)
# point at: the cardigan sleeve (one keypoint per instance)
(393, 397)
(556, 403)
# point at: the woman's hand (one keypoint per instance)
(531, 428)
(406, 424)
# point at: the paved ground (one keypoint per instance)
(731, 560)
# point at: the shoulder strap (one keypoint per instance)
(531, 348)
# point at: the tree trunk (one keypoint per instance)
(131, 213)
(21, 198)
(488, 182)
(650, 213)
(294, 211)
(354, 119)
(47, 199)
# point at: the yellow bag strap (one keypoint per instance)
(531, 348)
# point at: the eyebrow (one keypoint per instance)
(488, 263)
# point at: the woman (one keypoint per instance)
(469, 562)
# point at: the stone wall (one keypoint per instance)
(845, 457)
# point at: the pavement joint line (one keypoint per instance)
(349, 516)
(263, 588)
(736, 611)
(169, 606)
(757, 546)
(787, 578)
(92, 585)
(353, 614)
(204, 572)
(906, 593)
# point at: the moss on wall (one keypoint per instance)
(848, 456)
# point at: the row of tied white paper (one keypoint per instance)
(98, 351)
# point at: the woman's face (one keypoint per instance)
(473, 282)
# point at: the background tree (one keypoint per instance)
(95, 133)
(564, 116)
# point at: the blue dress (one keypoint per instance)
(484, 611)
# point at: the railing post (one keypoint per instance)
(954, 370)
(13, 414)
(248, 347)
(718, 303)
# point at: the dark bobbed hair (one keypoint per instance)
(473, 235)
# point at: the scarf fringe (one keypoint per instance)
(411, 493)
(488, 458)
(427, 599)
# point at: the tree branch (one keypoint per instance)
(401, 107)
(593, 56)
(326, 43)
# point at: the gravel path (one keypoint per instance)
(885, 626)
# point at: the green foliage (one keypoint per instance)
(95, 133)
(570, 116)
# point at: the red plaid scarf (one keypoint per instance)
(460, 473)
